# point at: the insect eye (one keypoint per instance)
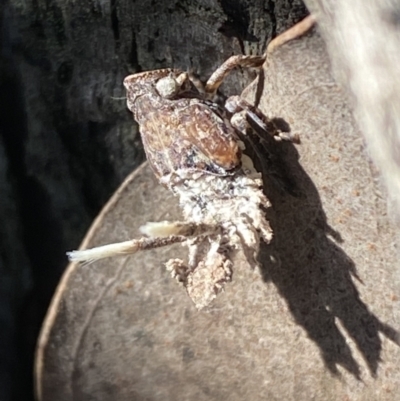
(167, 87)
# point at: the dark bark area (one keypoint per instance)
(66, 138)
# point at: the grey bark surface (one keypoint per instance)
(363, 40)
(67, 136)
(318, 320)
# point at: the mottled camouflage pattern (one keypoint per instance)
(184, 132)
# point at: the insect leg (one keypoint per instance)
(123, 248)
(223, 70)
(251, 61)
(294, 32)
(185, 228)
(235, 105)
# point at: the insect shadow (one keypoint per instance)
(315, 276)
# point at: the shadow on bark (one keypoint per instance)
(316, 277)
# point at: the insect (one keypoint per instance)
(196, 149)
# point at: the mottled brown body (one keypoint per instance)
(184, 132)
(194, 150)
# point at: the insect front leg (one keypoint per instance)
(294, 32)
(260, 137)
(252, 61)
(244, 114)
(217, 77)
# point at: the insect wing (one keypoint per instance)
(188, 134)
(213, 136)
(163, 142)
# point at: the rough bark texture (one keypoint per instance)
(67, 139)
(363, 40)
(319, 320)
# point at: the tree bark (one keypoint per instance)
(363, 39)
(67, 136)
(318, 320)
